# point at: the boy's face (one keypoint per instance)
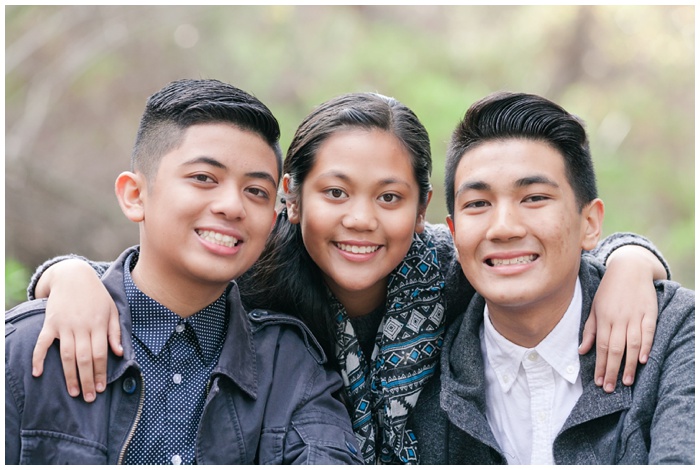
(516, 225)
(210, 207)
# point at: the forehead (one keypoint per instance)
(508, 160)
(367, 150)
(234, 148)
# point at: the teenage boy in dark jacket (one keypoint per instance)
(522, 196)
(201, 381)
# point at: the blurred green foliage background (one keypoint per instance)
(77, 78)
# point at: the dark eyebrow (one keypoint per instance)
(262, 175)
(216, 163)
(207, 161)
(521, 183)
(473, 185)
(536, 179)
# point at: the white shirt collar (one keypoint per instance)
(559, 348)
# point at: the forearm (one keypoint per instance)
(39, 286)
(608, 246)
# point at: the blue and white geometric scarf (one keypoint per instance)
(384, 390)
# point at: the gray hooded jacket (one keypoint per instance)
(651, 422)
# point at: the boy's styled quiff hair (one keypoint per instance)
(184, 103)
(505, 115)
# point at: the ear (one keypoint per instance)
(130, 189)
(592, 224)
(292, 204)
(451, 225)
(420, 218)
(274, 219)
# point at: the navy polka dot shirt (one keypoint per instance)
(176, 356)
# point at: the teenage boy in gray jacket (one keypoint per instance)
(522, 196)
(201, 381)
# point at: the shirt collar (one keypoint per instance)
(153, 323)
(559, 348)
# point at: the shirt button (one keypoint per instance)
(532, 356)
(176, 460)
(177, 378)
(570, 369)
(129, 385)
(180, 327)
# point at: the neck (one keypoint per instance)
(528, 325)
(359, 304)
(184, 297)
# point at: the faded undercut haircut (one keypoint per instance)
(505, 115)
(184, 103)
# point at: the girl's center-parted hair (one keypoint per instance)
(365, 111)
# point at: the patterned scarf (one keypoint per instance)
(384, 390)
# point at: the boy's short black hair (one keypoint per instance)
(184, 103)
(505, 115)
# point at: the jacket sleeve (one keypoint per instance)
(612, 242)
(99, 266)
(673, 424)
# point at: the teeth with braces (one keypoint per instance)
(357, 249)
(218, 238)
(518, 260)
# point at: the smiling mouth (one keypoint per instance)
(217, 238)
(356, 249)
(511, 261)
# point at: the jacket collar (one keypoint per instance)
(594, 401)
(237, 360)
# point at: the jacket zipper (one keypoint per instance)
(142, 397)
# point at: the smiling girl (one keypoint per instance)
(352, 256)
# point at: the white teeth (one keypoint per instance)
(357, 249)
(518, 260)
(218, 238)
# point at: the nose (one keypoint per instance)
(228, 202)
(506, 224)
(361, 216)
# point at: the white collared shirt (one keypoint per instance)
(531, 392)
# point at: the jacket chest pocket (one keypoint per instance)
(49, 447)
(228, 432)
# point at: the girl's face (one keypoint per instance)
(358, 211)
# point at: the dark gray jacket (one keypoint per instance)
(651, 422)
(270, 399)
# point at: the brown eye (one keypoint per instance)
(336, 193)
(202, 178)
(389, 197)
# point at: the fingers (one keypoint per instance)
(633, 344)
(115, 332)
(615, 350)
(99, 363)
(588, 336)
(83, 358)
(648, 332)
(67, 347)
(43, 343)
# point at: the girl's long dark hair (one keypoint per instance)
(285, 278)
